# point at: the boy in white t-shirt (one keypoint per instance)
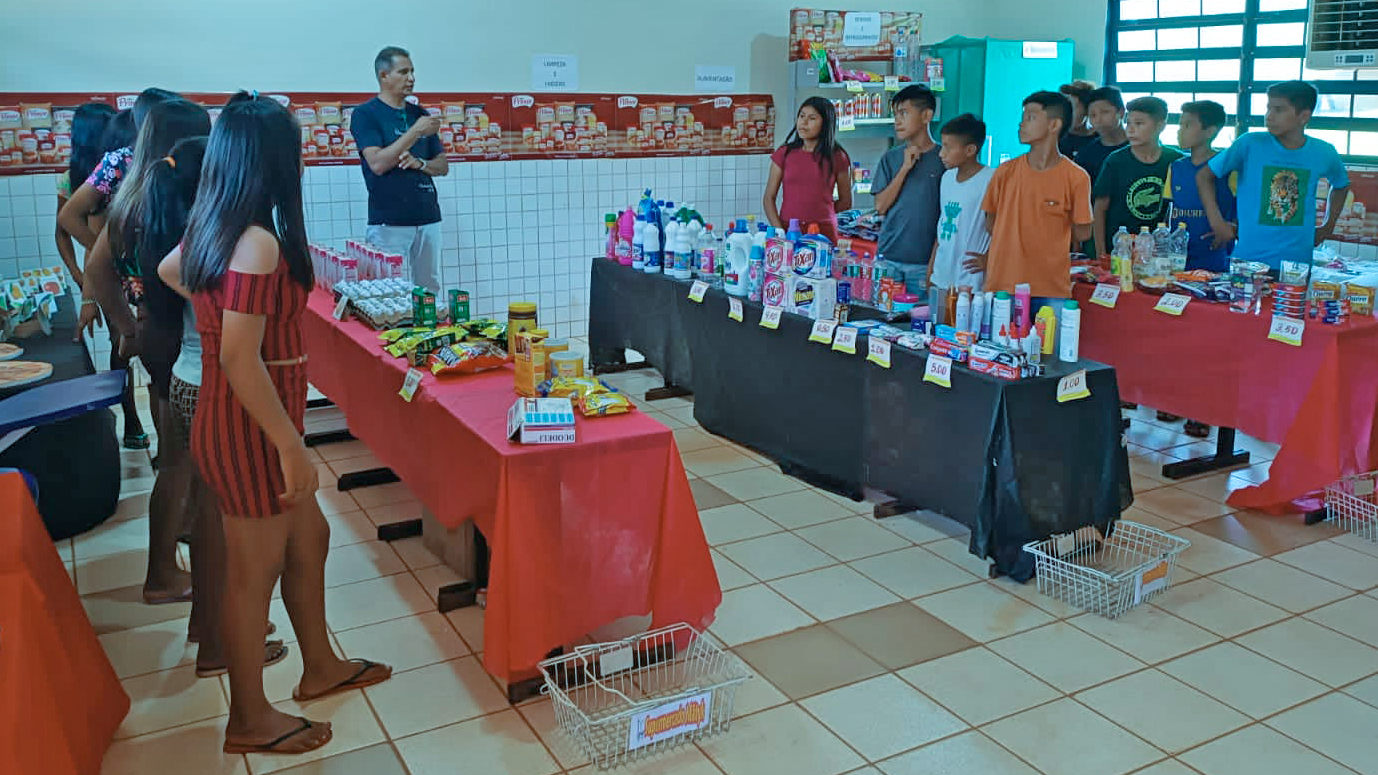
(960, 250)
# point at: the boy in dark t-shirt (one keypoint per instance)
(1129, 190)
(1105, 108)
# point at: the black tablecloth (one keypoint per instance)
(76, 461)
(1002, 457)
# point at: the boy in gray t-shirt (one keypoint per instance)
(906, 183)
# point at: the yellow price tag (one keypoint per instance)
(823, 331)
(1173, 303)
(938, 370)
(734, 309)
(770, 317)
(1072, 387)
(410, 384)
(844, 340)
(697, 290)
(1106, 295)
(878, 351)
(1286, 330)
(892, 83)
(854, 86)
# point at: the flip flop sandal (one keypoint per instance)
(164, 598)
(272, 747)
(356, 681)
(137, 441)
(194, 636)
(1197, 430)
(273, 653)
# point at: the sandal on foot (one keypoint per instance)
(1168, 417)
(272, 746)
(136, 441)
(273, 652)
(1197, 430)
(359, 680)
(163, 598)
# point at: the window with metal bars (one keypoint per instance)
(1231, 51)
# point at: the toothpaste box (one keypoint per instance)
(541, 421)
(948, 350)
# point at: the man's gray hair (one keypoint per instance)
(383, 62)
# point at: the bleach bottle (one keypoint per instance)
(639, 243)
(626, 232)
(737, 262)
(655, 252)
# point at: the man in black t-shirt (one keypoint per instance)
(1129, 191)
(1105, 109)
(401, 153)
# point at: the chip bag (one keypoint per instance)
(467, 358)
(604, 404)
(573, 387)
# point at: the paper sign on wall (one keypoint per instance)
(554, 72)
(1040, 50)
(861, 28)
(715, 78)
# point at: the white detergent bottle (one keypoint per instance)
(639, 244)
(671, 246)
(655, 256)
(684, 254)
(1069, 334)
(737, 261)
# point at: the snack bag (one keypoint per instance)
(467, 358)
(574, 387)
(604, 404)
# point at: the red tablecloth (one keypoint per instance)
(1219, 367)
(581, 534)
(60, 702)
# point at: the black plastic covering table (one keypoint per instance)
(1002, 457)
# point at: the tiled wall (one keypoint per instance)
(522, 230)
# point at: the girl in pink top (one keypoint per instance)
(808, 167)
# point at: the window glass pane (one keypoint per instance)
(1326, 75)
(1289, 34)
(1270, 70)
(1281, 5)
(1134, 72)
(1225, 138)
(1222, 6)
(1336, 105)
(1258, 106)
(1138, 9)
(1224, 36)
(1175, 71)
(1137, 40)
(1368, 75)
(1363, 143)
(1365, 106)
(1174, 100)
(1184, 37)
(1336, 137)
(1179, 7)
(1218, 70)
(1169, 136)
(1230, 102)
(1130, 96)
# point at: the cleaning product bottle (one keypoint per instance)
(684, 254)
(639, 243)
(707, 255)
(626, 231)
(1178, 246)
(987, 315)
(962, 320)
(610, 240)
(671, 238)
(1045, 322)
(1143, 254)
(655, 252)
(1023, 300)
(736, 267)
(1000, 317)
(978, 314)
(1070, 347)
(755, 272)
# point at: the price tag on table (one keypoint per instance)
(892, 83)
(1072, 387)
(1106, 295)
(1150, 581)
(770, 317)
(734, 309)
(340, 307)
(410, 384)
(846, 123)
(1286, 330)
(844, 341)
(1172, 303)
(938, 371)
(878, 351)
(697, 290)
(823, 331)
(854, 86)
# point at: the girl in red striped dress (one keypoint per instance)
(245, 262)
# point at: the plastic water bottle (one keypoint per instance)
(1178, 246)
(639, 243)
(1162, 252)
(1143, 253)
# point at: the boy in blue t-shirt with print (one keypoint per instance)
(1201, 122)
(1278, 175)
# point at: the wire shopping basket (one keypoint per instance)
(1107, 575)
(645, 695)
(1353, 504)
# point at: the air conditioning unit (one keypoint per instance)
(1342, 34)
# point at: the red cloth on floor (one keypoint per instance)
(1217, 366)
(60, 701)
(581, 534)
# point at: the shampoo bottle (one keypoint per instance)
(1070, 335)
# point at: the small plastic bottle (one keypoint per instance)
(639, 243)
(962, 319)
(1069, 334)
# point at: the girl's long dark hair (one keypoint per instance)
(120, 132)
(251, 176)
(88, 127)
(165, 124)
(827, 138)
(168, 198)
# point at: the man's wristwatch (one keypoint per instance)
(424, 162)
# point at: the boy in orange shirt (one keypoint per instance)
(1037, 206)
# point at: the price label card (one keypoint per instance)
(734, 309)
(1287, 331)
(770, 317)
(938, 84)
(1066, 544)
(1072, 387)
(854, 86)
(1172, 303)
(844, 341)
(846, 123)
(878, 351)
(1106, 295)
(1152, 580)
(697, 290)
(340, 307)
(938, 371)
(892, 83)
(823, 331)
(410, 384)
